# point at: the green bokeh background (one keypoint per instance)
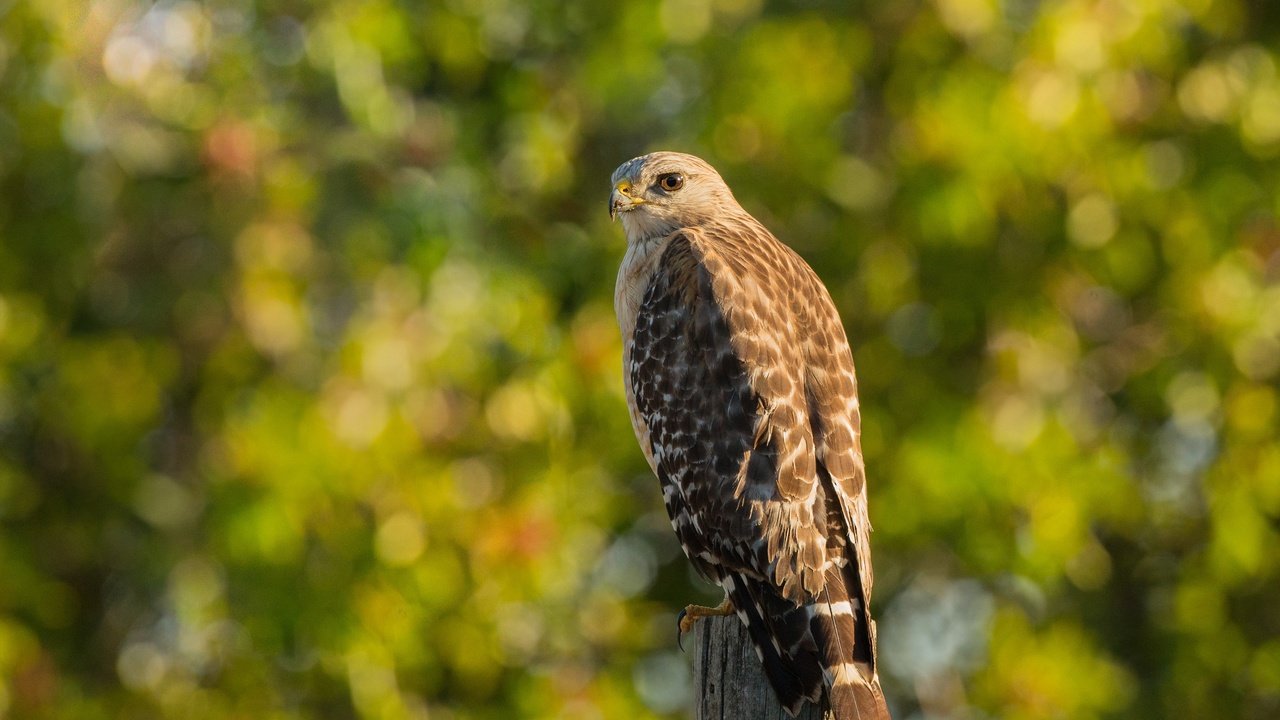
(310, 395)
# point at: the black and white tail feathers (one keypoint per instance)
(816, 650)
(842, 627)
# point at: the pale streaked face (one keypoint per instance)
(659, 193)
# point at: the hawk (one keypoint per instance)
(742, 394)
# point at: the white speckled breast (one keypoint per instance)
(634, 275)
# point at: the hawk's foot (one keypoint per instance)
(691, 613)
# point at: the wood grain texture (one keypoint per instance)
(728, 679)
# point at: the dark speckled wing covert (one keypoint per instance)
(741, 371)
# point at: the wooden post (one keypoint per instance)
(728, 679)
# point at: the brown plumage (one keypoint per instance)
(743, 397)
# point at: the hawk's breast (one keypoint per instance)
(634, 276)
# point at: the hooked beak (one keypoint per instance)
(620, 201)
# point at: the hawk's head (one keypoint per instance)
(659, 193)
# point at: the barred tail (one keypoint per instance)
(779, 631)
(845, 636)
(808, 651)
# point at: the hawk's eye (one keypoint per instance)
(671, 182)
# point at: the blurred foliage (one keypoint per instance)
(310, 399)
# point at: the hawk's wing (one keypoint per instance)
(743, 377)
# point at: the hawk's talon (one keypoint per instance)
(680, 628)
(691, 613)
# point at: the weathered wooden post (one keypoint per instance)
(728, 680)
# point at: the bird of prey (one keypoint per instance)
(742, 393)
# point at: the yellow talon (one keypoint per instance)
(692, 613)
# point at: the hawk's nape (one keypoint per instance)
(743, 397)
